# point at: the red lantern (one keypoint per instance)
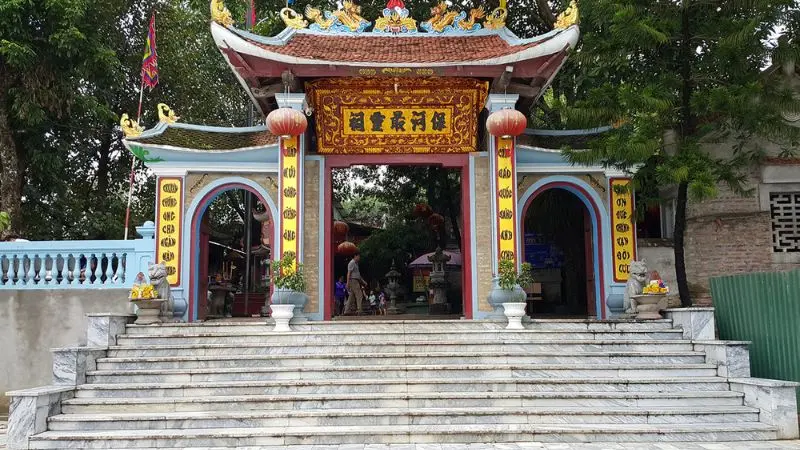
(340, 229)
(506, 123)
(422, 210)
(347, 248)
(286, 122)
(435, 220)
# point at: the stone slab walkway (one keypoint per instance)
(773, 445)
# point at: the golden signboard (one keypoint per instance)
(398, 121)
(622, 227)
(505, 199)
(397, 115)
(169, 212)
(290, 203)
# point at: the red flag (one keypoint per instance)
(150, 60)
(252, 13)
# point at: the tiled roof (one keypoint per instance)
(395, 49)
(209, 140)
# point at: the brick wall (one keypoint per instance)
(726, 235)
(311, 234)
(483, 232)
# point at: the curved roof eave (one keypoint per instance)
(550, 43)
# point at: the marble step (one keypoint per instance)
(404, 326)
(394, 359)
(345, 337)
(403, 400)
(399, 434)
(477, 371)
(345, 386)
(401, 416)
(332, 347)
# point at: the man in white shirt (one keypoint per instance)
(355, 287)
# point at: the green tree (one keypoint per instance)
(684, 81)
(67, 69)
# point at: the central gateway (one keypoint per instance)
(394, 93)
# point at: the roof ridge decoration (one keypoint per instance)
(395, 20)
(220, 13)
(346, 19)
(568, 17)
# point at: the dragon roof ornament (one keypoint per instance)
(568, 17)
(395, 19)
(220, 13)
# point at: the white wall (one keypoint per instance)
(34, 321)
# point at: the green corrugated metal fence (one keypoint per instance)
(763, 308)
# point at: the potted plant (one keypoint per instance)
(148, 305)
(289, 285)
(509, 293)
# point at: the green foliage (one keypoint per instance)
(367, 209)
(64, 82)
(285, 276)
(5, 221)
(401, 241)
(509, 277)
(684, 84)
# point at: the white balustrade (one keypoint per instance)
(75, 264)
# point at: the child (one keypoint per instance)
(382, 304)
(373, 301)
(340, 294)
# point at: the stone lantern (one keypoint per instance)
(393, 276)
(438, 282)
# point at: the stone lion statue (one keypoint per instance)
(636, 283)
(158, 278)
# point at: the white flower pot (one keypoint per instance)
(282, 315)
(514, 311)
(281, 296)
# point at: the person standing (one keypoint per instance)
(340, 294)
(355, 287)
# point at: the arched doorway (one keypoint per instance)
(248, 284)
(559, 242)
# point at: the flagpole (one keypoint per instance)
(133, 159)
(133, 168)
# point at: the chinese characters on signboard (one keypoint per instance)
(168, 234)
(622, 227)
(398, 121)
(506, 209)
(290, 205)
(397, 115)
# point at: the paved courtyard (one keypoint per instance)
(774, 445)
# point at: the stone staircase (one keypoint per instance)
(233, 385)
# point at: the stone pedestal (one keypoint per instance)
(776, 399)
(732, 358)
(29, 410)
(649, 307)
(149, 311)
(697, 323)
(104, 328)
(70, 364)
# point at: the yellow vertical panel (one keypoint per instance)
(623, 227)
(290, 174)
(169, 212)
(506, 209)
